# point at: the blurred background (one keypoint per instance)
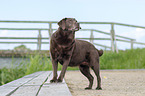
(116, 26)
(114, 11)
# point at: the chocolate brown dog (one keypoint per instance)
(71, 52)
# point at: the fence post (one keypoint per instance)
(105, 48)
(50, 30)
(92, 37)
(39, 41)
(113, 39)
(132, 43)
(116, 49)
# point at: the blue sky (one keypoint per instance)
(122, 11)
(125, 11)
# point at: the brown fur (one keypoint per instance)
(71, 52)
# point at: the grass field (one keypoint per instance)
(129, 59)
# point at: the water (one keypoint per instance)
(11, 62)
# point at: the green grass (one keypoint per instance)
(34, 64)
(129, 59)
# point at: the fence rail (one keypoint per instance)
(113, 38)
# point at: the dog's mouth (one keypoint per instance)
(77, 28)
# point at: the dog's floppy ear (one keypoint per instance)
(62, 23)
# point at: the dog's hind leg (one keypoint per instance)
(86, 72)
(97, 73)
(94, 63)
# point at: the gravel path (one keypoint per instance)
(114, 83)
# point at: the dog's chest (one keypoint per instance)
(62, 52)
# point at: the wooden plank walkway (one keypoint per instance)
(36, 84)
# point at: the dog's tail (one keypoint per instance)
(100, 52)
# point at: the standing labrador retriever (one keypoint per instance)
(68, 51)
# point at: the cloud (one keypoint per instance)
(139, 29)
(138, 34)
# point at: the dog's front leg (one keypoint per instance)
(64, 67)
(55, 66)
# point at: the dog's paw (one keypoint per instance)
(52, 81)
(88, 88)
(98, 88)
(59, 80)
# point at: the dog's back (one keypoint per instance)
(88, 46)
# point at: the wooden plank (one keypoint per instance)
(8, 21)
(99, 31)
(32, 87)
(102, 45)
(33, 74)
(23, 80)
(6, 91)
(40, 79)
(24, 42)
(51, 76)
(129, 25)
(23, 29)
(23, 38)
(26, 91)
(10, 87)
(95, 38)
(35, 84)
(54, 89)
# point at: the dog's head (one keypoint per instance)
(69, 24)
